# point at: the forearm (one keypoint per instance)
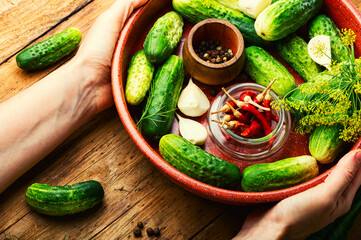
(38, 119)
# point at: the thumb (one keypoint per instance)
(345, 176)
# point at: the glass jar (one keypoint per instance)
(243, 148)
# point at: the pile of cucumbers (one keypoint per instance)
(157, 76)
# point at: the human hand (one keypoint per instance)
(94, 57)
(299, 216)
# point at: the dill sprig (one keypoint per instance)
(154, 117)
(334, 100)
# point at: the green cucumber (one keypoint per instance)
(311, 87)
(323, 25)
(262, 67)
(325, 143)
(49, 51)
(198, 10)
(140, 75)
(158, 114)
(163, 37)
(64, 200)
(279, 175)
(293, 49)
(197, 163)
(285, 17)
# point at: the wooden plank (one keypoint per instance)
(30, 19)
(135, 191)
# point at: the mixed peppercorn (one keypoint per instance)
(213, 51)
(251, 115)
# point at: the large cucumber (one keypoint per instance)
(158, 114)
(325, 143)
(262, 67)
(49, 51)
(163, 37)
(284, 17)
(197, 163)
(293, 49)
(140, 75)
(323, 25)
(64, 200)
(198, 10)
(279, 175)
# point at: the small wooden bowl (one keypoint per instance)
(211, 73)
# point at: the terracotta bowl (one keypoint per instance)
(343, 12)
(211, 73)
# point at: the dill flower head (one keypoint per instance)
(348, 37)
(319, 49)
(333, 98)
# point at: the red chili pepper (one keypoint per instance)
(254, 129)
(225, 108)
(237, 114)
(275, 117)
(267, 103)
(233, 125)
(247, 93)
(248, 107)
(260, 97)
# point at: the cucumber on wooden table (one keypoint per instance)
(64, 200)
(49, 51)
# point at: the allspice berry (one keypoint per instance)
(140, 225)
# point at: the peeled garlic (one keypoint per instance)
(253, 8)
(191, 130)
(319, 49)
(192, 101)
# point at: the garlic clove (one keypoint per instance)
(319, 49)
(192, 101)
(191, 130)
(253, 8)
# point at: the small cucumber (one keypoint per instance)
(49, 51)
(279, 175)
(325, 143)
(198, 10)
(293, 49)
(64, 200)
(140, 75)
(163, 37)
(285, 17)
(323, 25)
(158, 115)
(197, 163)
(262, 67)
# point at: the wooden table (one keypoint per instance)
(101, 150)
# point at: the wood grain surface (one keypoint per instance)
(100, 150)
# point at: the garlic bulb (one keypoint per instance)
(319, 49)
(192, 101)
(191, 130)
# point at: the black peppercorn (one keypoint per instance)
(213, 51)
(150, 232)
(156, 232)
(140, 225)
(137, 232)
